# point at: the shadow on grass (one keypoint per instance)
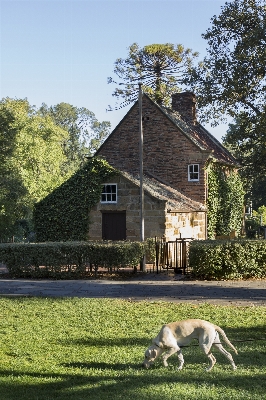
(102, 380)
(110, 342)
(104, 366)
(250, 343)
(129, 386)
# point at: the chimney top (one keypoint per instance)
(185, 104)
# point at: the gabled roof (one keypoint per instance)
(203, 139)
(175, 200)
(200, 137)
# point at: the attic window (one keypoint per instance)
(193, 172)
(109, 193)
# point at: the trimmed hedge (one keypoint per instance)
(238, 259)
(63, 259)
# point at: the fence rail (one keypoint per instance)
(172, 255)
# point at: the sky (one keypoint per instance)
(54, 51)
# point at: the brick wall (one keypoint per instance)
(166, 151)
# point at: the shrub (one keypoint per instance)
(64, 259)
(240, 259)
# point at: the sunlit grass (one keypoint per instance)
(93, 348)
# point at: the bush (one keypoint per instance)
(240, 259)
(64, 259)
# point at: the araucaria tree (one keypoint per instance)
(160, 67)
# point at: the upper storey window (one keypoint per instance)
(109, 193)
(193, 172)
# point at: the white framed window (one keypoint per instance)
(193, 172)
(109, 193)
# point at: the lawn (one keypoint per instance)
(93, 348)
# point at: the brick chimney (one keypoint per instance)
(185, 104)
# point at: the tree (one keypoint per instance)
(246, 138)
(261, 212)
(86, 133)
(231, 77)
(231, 81)
(160, 67)
(31, 161)
(40, 149)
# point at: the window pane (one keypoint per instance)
(109, 193)
(193, 172)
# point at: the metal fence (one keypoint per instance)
(172, 255)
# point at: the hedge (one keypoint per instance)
(63, 259)
(238, 259)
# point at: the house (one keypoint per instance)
(166, 211)
(176, 151)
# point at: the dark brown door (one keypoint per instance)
(114, 225)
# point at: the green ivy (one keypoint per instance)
(64, 214)
(225, 201)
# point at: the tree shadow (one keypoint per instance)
(103, 366)
(129, 386)
(81, 380)
(110, 342)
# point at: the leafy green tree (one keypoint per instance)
(160, 67)
(231, 81)
(231, 78)
(31, 161)
(86, 133)
(261, 212)
(246, 138)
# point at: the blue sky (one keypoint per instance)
(56, 51)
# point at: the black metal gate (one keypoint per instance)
(172, 255)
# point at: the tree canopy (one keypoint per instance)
(160, 67)
(40, 149)
(85, 132)
(231, 78)
(31, 160)
(231, 81)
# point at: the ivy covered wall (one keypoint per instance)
(63, 214)
(225, 200)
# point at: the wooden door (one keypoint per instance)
(114, 225)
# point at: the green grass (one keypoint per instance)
(93, 348)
